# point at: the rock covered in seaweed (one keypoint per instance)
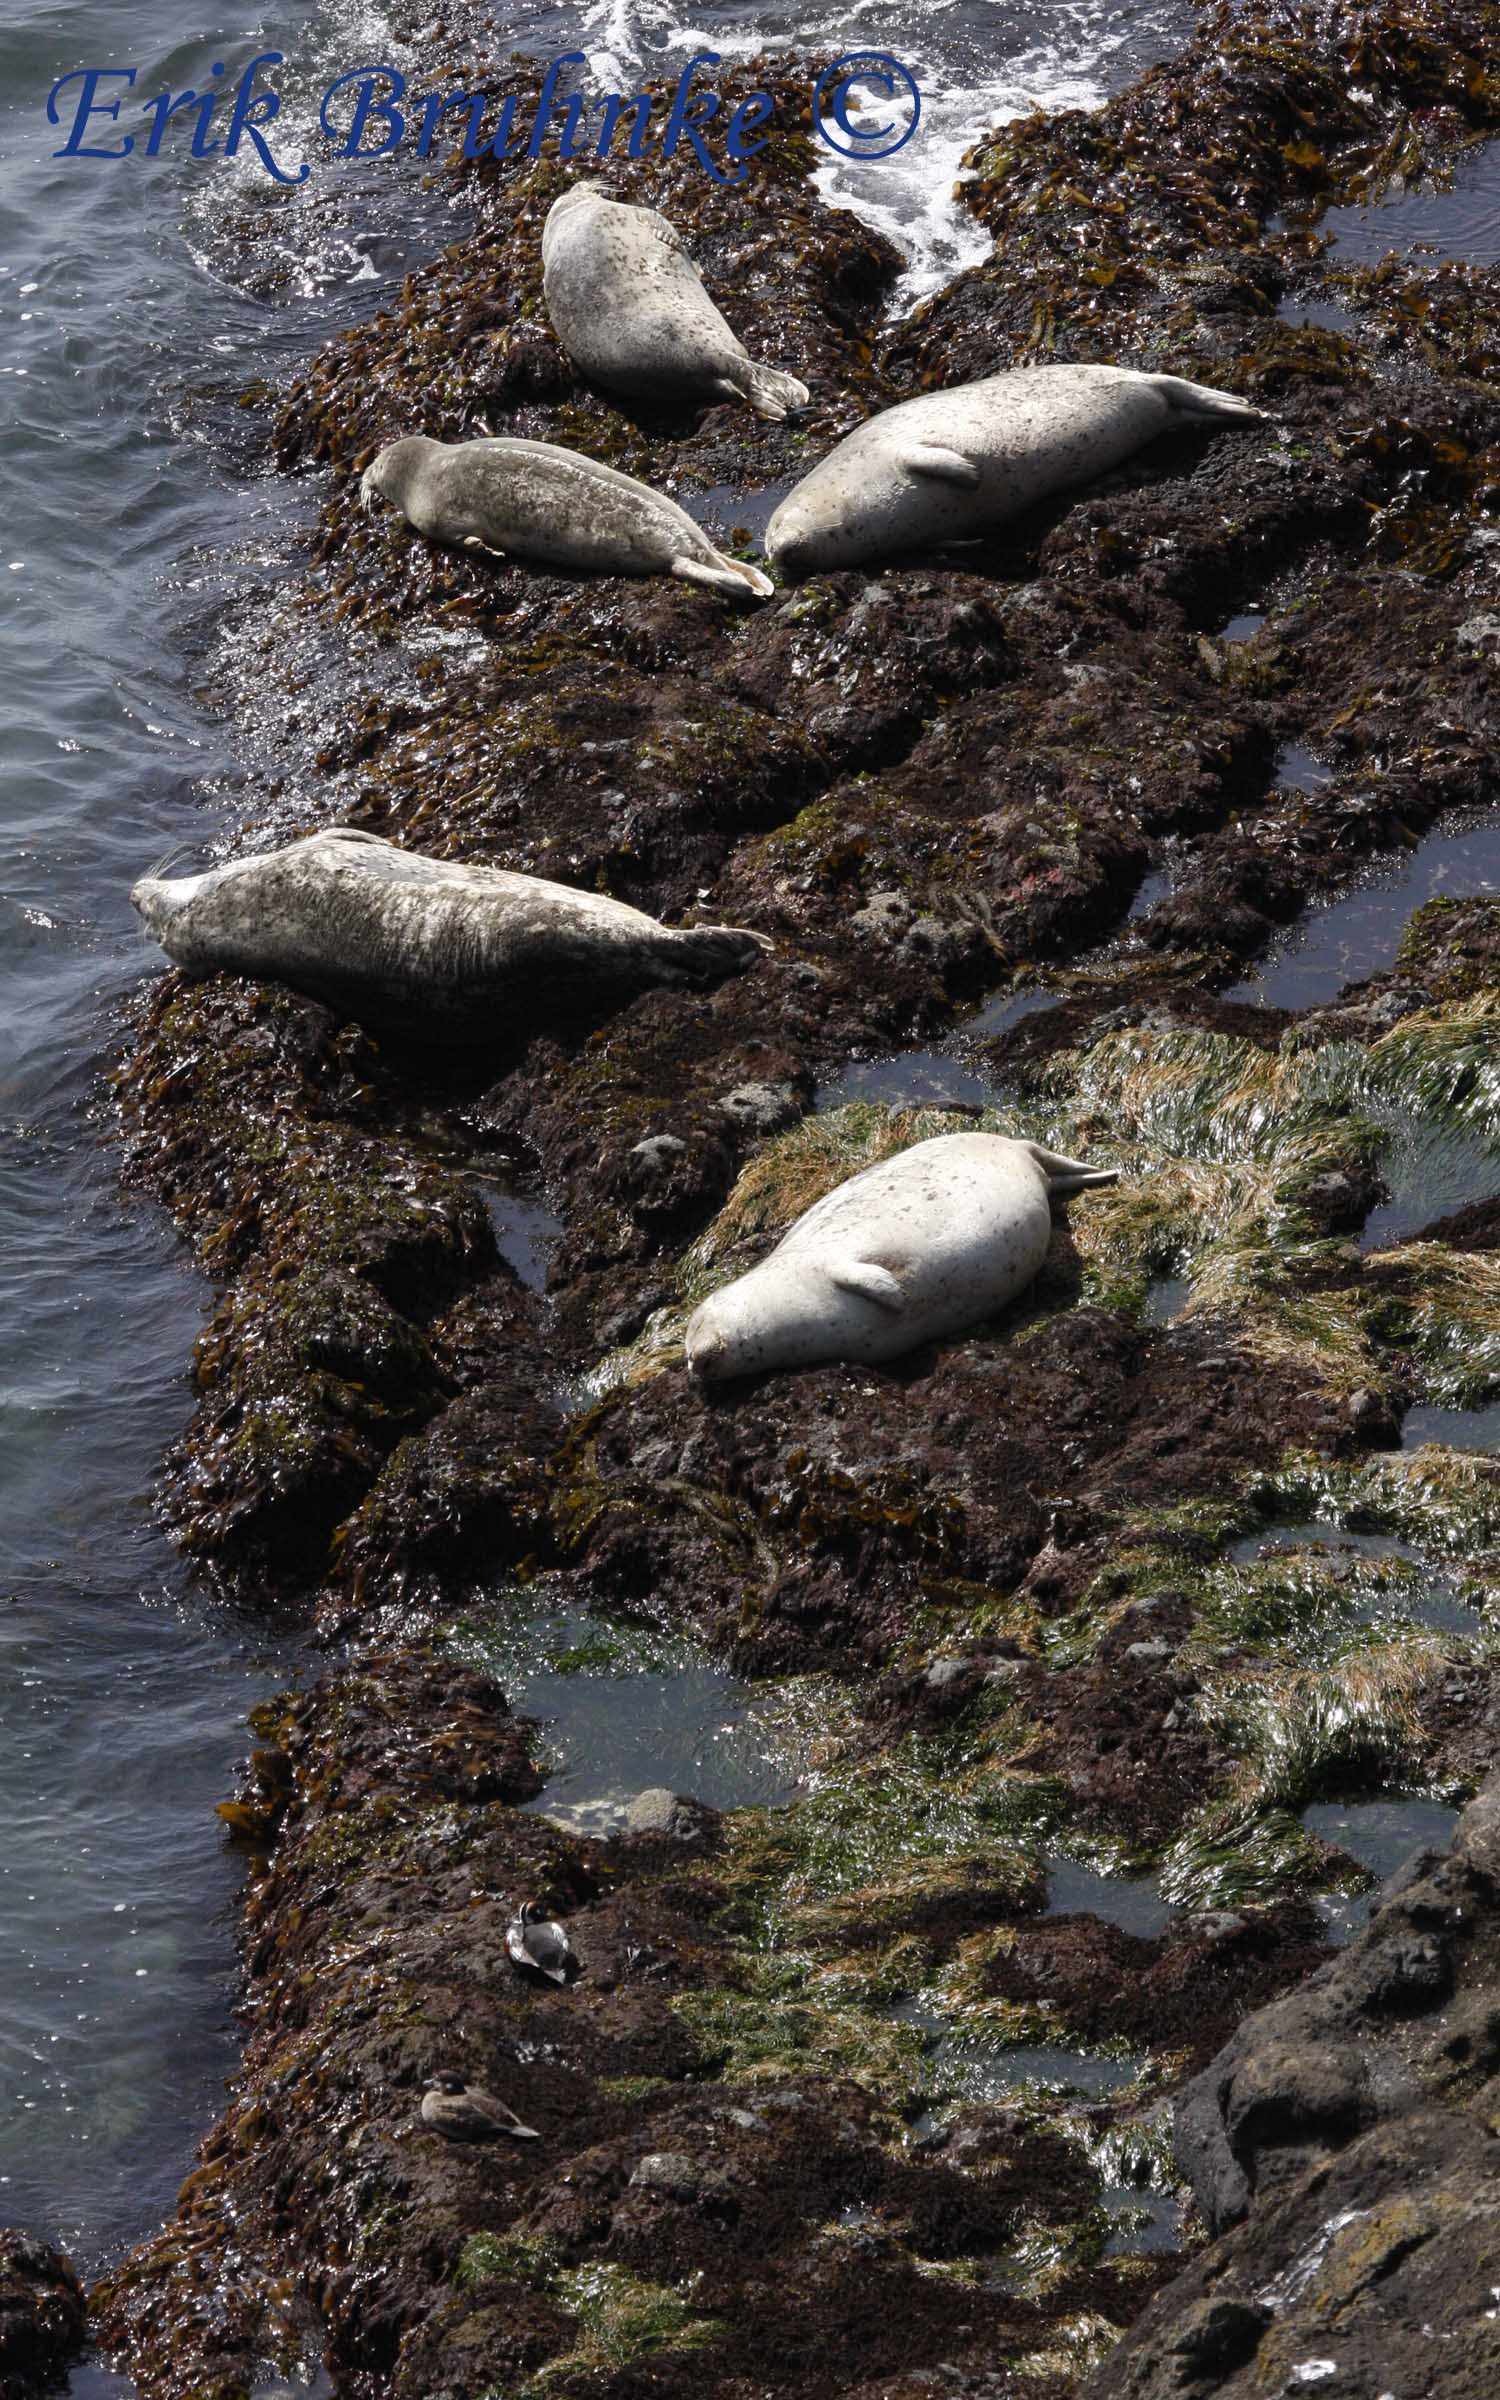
(42, 2316)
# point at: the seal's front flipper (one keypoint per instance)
(871, 1282)
(945, 466)
(730, 576)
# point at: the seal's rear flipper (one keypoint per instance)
(1069, 1174)
(944, 465)
(770, 391)
(731, 575)
(1200, 402)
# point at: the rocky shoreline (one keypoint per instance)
(1072, 1590)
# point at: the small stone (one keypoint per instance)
(887, 913)
(1476, 1839)
(1372, 1417)
(1217, 1924)
(1149, 1654)
(945, 1672)
(761, 1108)
(658, 1810)
(1475, 632)
(671, 2171)
(658, 1150)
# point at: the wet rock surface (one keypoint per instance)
(1346, 2135)
(837, 2105)
(41, 2316)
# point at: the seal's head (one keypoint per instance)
(819, 531)
(776, 1316)
(792, 540)
(571, 205)
(394, 471)
(582, 194)
(161, 902)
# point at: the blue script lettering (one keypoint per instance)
(366, 107)
(88, 106)
(164, 106)
(690, 111)
(612, 111)
(750, 113)
(252, 109)
(568, 144)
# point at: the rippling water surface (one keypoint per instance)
(122, 1690)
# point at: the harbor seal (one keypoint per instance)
(411, 943)
(957, 464)
(925, 1244)
(549, 507)
(628, 305)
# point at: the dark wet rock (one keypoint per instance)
(1349, 2126)
(669, 2212)
(916, 783)
(1373, 1418)
(1308, 2072)
(41, 2316)
(845, 1497)
(1178, 1992)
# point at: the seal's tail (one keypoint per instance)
(732, 575)
(771, 391)
(1201, 402)
(1069, 1174)
(702, 953)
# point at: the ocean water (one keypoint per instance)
(123, 1689)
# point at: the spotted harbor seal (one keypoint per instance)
(924, 1244)
(957, 464)
(413, 943)
(628, 305)
(549, 507)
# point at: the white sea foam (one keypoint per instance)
(976, 67)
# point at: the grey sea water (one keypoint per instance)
(123, 1690)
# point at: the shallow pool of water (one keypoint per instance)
(1454, 1428)
(526, 1233)
(1430, 1170)
(1383, 1835)
(1461, 223)
(1321, 316)
(1008, 1008)
(624, 1710)
(1166, 1298)
(1428, 1595)
(1133, 1902)
(908, 1079)
(1346, 940)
